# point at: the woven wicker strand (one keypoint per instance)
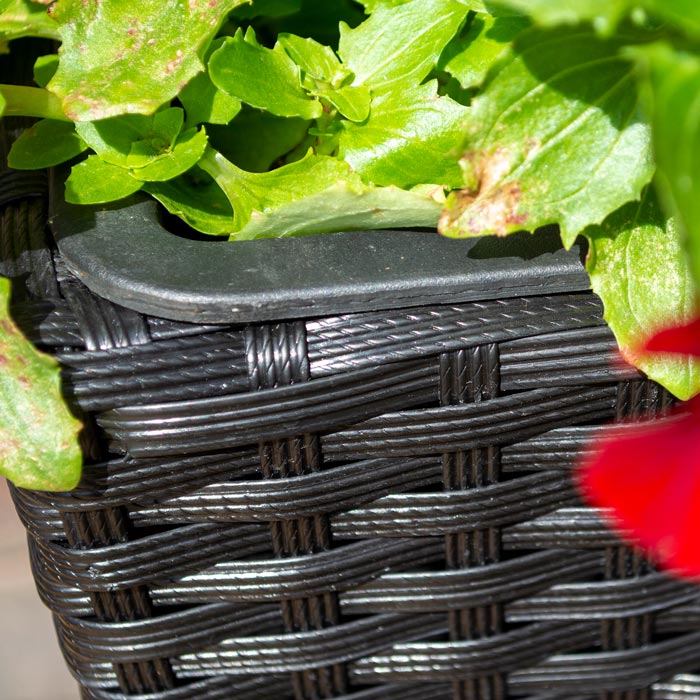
(375, 506)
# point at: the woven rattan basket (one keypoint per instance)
(283, 499)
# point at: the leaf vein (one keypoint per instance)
(573, 125)
(540, 86)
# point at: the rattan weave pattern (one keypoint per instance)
(375, 506)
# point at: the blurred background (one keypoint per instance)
(31, 666)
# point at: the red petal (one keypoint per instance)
(684, 340)
(650, 478)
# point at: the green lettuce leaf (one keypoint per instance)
(204, 102)
(398, 46)
(94, 181)
(112, 138)
(38, 435)
(264, 78)
(150, 160)
(605, 15)
(411, 137)
(150, 147)
(638, 268)
(197, 200)
(317, 194)
(673, 93)
(45, 144)
(45, 68)
(470, 56)
(316, 60)
(352, 101)
(325, 77)
(256, 140)
(20, 18)
(684, 14)
(123, 57)
(557, 136)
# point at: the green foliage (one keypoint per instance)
(314, 195)
(276, 87)
(410, 137)
(20, 18)
(638, 268)
(24, 101)
(324, 76)
(204, 102)
(316, 60)
(639, 260)
(45, 68)
(469, 57)
(683, 14)
(127, 57)
(197, 200)
(399, 45)
(47, 143)
(256, 140)
(38, 435)
(155, 160)
(556, 136)
(673, 91)
(95, 181)
(604, 15)
(112, 138)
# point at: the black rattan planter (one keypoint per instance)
(335, 467)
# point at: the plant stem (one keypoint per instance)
(22, 101)
(209, 162)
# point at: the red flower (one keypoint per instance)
(649, 477)
(682, 340)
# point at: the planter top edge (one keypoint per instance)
(125, 255)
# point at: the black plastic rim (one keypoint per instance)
(124, 254)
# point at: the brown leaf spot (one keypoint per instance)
(489, 168)
(9, 447)
(8, 327)
(174, 63)
(492, 206)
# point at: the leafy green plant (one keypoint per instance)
(264, 118)
(38, 435)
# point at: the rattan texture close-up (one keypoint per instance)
(372, 506)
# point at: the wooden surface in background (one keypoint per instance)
(31, 666)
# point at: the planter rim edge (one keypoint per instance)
(124, 254)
